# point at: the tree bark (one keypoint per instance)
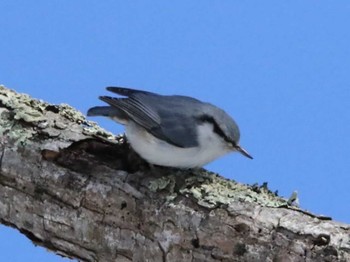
(79, 191)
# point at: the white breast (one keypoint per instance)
(158, 152)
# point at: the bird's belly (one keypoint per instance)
(158, 152)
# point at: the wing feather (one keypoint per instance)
(165, 117)
(133, 110)
(123, 91)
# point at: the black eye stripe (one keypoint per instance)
(217, 129)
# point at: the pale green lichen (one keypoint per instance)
(162, 183)
(167, 183)
(196, 193)
(28, 115)
(211, 190)
(92, 129)
(35, 112)
(23, 107)
(71, 113)
(9, 130)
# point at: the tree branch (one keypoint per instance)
(75, 189)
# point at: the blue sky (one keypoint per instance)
(280, 68)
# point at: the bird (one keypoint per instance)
(171, 130)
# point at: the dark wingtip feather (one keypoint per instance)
(91, 112)
(107, 99)
(98, 111)
(116, 89)
(124, 91)
(103, 98)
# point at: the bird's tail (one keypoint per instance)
(100, 111)
(109, 111)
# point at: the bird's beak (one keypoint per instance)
(243, 151)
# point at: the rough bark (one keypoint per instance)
(80, 192)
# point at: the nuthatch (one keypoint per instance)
(175, 131)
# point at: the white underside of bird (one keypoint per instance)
(158, 152)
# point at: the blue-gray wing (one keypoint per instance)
(182, 134)
(164, 117)
(135, 110)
